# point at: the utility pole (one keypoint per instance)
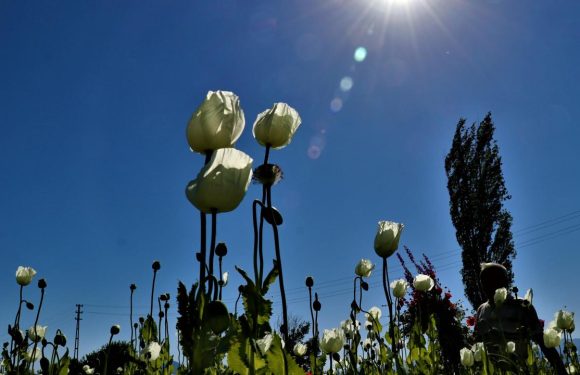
(78, 319)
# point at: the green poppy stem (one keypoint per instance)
(202, 265)
(390, 305)
(34, 328)
(212, 246)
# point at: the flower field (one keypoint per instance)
(421, 330)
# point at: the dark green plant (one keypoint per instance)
(476, 195)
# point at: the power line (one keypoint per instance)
(330, 286)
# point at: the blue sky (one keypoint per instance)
(95, 96)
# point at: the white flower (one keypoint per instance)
(478, 350)
(119, 370)
(364, 268)
(387, 238)
(500, 296)
(564, 319)
(571, 369)
(151, 352)
(222, 183)
(423, 283)
(225, 279)
(510, 347)
(265, 342)
(368, 325)
(466, 356)
(332, 340)
(40, 332)
(367, 343)
(552, 338)
(276, 126)
(529, 296)
(349, 328)
(24, 275)
(399, 288)
(300, 349)
(217, 123)
(88, 370)
(33, 356)
(375, 313)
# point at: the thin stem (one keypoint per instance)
(311, 311)
(152, 293)
(107, 357)
(166, 306)
(16, 325)
(261, 237)
(221, 285)
(330, 369)
(212, 244)
(160, 319)
(151, 304)
(131, 316)
(202, 265)
(390, 304)
(255, 226)
(279, 261)
(267, 155)
(34, 327)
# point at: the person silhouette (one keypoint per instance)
(513, 319)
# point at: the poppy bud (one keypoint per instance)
(364, 285)
(42, 283)
(309, 281)
(29, 306)
(133, 287)
(156, 266)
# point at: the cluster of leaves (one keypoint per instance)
(434, 308)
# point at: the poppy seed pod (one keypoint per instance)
(221, 250)
(133, 287)
(316, 305)
(42, 283)
(217, 123)
(115, 329)
(309, 282)
(268, 174)
(156, 266)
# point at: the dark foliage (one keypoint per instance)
(448, 315)
(119, 355)
(476, 194)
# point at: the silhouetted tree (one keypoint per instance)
(119, 356)
(297, 330)
(476, 195)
